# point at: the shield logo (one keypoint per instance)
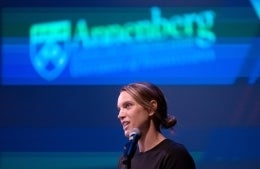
(49, 44)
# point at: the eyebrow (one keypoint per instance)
(125, 102)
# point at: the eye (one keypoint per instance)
(127, 105)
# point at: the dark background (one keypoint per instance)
(76, 126)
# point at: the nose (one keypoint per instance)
(121, 114)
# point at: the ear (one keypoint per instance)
(153, 104)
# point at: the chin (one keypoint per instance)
(127, 133)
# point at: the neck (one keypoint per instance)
(148, 141)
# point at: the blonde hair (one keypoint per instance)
(144, 93)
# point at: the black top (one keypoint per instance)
(166, 155)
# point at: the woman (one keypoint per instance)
(143, 106)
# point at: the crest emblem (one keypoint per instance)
(48, 48)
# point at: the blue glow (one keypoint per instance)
(256, 6)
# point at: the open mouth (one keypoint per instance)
(125, 124)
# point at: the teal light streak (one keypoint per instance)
(256, 6)
(65, 160)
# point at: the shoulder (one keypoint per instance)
(177, 155)
(173, 146)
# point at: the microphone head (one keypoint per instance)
(135, 133)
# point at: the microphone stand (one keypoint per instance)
(128, 155)
(130, 147)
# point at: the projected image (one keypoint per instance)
(163, 45)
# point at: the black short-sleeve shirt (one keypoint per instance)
(166, 155)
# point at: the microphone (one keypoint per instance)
(131, 146)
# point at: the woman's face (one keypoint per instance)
(131, 114)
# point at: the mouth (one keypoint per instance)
(125, 124)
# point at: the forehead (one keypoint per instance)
(124, 97)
